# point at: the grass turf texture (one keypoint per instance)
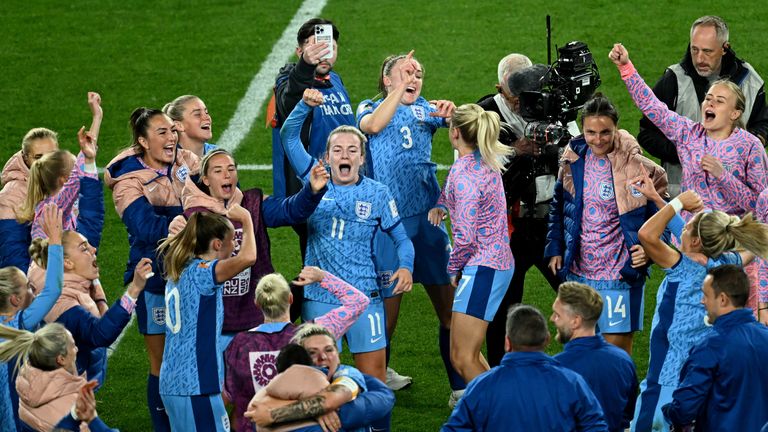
(146, 53)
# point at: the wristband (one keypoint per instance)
(90, 168)
(676, 204)
(101, 300)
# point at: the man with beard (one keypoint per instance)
(684, 86)
(607, 369)
(314, 69)
(529, 390)
(723, 382)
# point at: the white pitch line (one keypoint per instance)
(258, 91)
(112, 348)
(260, 88)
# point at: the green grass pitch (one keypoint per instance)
(145, 53)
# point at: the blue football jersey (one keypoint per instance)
(341, 234)
(400, 156)
(194, 318)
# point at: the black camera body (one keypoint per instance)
(566, 86)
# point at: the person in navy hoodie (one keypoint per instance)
(724, 382)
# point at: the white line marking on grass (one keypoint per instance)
(260, 88)
(112, 348)
(258, 92)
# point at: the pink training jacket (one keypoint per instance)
(14, 177)
(742, 155)
(474, 197)
(65, 199)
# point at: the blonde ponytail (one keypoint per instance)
(272, 295)
(720, 232)
(40, 349)
(480, 129)
(38, 250)
(44, 175)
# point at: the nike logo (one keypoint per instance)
(160, 409)
(613, 323)
(374, 340)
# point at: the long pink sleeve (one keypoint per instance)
(474, 197)
(745, 165)
(673, 125)
(353, 303)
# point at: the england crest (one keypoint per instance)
(181, 173)
(158, 315)
(363, 209)
(419, 112)
(606, 190)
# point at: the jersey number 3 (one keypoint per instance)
(407, 139)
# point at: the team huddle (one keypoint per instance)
(359, 187)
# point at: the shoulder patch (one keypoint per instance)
(393, 208)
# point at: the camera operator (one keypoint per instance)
(529, 184)
(503, 102)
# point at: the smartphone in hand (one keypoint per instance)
(324, 34)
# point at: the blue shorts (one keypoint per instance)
(367, 334)
(432, 249)
(480, 291)
(150, 312)
(196, 413)
(623, 304)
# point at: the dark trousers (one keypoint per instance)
(298, 291)
(527, 243)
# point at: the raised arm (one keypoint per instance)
(54, 273)
(652, 230)
(673, 125)
(298, 207)
(290, 134)
(374, 122)
(288, 91)
(94, 103)
(230, 267)
(650, 137)
(353, 302)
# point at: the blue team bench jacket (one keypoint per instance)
(564, 236)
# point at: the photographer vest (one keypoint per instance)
(689, 105)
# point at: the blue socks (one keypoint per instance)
(455, 380)
(160, 422)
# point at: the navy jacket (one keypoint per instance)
(609, 372)
(724, 382)
(528, 391)
(15, 238)
(93, 335)
(564, 236)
